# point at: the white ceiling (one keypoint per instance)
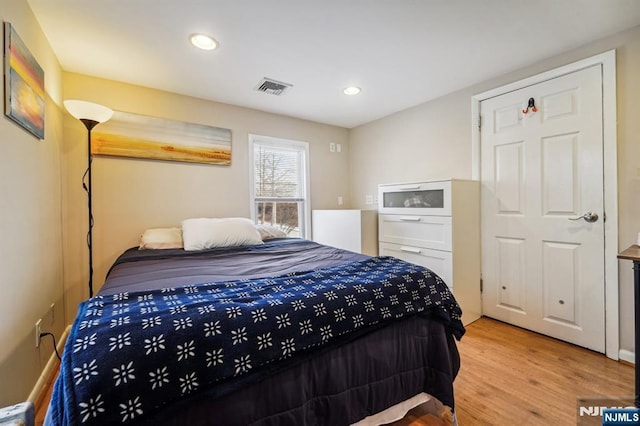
(401, 52)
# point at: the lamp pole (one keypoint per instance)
(90, 115)
(89, 124)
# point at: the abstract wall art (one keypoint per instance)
(140, 136)
(24, 84)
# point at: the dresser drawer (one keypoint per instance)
(439, 262)
(424, 198)
(433, 232)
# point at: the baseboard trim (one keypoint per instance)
(46, 377)
(628, 356)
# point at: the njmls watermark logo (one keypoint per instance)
(607, 412)
(621, 416)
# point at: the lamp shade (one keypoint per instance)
(88, 110)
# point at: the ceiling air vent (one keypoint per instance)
(272, 87)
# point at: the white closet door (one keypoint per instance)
(542, 270)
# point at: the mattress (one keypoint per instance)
(391, 336)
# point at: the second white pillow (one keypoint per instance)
(204, 233)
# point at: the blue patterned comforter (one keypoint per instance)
(129, 354)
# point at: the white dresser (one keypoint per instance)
(436, 224)
(353, 230)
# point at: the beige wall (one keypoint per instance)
(30, 224)
(131, 195)
(433, 140)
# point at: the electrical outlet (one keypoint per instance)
(368, 199)
(38, 331)
(332, 147)
(340, 200)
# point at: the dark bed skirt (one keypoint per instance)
(339, 386)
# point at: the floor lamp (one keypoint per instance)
(90, 115)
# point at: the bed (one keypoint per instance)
(289, 332)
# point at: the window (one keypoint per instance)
(280, 184)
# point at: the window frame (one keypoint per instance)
(301, 147)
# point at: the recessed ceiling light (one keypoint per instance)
(203, 41)
(351, 90)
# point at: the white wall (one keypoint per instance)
(131, 195)
(433, 140)
(30, 224)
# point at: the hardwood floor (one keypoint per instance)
(510, 376)
(513, 376)
(41, 408)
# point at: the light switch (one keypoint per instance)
(338, 147)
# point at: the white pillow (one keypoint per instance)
(268, 231)
(204, 233)
(161, 238)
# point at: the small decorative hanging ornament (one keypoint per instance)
(532, 105)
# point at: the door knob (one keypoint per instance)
(588, 217)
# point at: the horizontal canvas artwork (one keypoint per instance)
(140, 136)
(24, 84)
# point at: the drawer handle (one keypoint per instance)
(410, 218)
(409, 188)
(410, 249)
